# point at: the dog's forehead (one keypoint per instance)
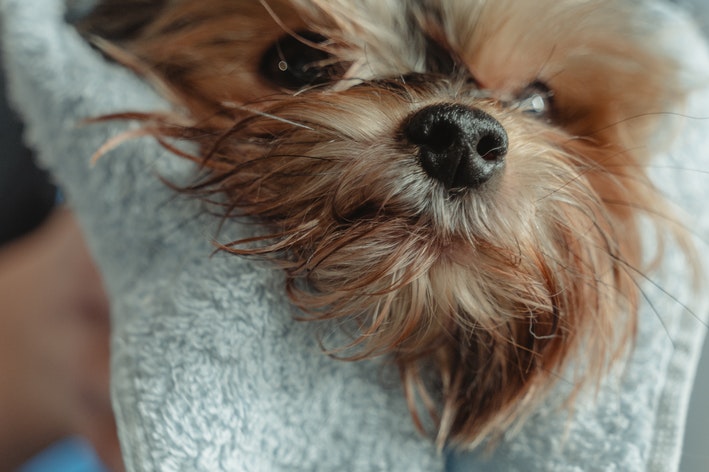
(460, 16)
(375, 19)
(393, 36)
(364, 19)
(497, 39)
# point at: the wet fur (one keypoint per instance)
(481, 298)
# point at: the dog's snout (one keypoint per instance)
(460, 146)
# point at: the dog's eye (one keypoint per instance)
(297, 61)
(536, 100)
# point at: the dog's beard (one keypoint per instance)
(481, 294)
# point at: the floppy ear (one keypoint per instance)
(627, 91)
(607, 62)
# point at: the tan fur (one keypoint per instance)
(482, 299)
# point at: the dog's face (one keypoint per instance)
(463, 178)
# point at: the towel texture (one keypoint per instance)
(211, 373)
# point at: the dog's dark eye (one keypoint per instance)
(296, 61)
(536, 100)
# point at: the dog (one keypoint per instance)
(465, 180)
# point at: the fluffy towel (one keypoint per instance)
(211, 373)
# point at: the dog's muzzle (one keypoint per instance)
(460, 146)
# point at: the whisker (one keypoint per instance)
(271, 116)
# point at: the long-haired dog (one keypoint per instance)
(463, 179)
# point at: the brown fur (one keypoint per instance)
(482, 298)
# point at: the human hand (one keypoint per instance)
(54, 345)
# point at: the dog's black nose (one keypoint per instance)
(460, 146)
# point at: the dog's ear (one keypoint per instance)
(627, 90)
(117, 20)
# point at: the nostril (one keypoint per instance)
(491, 147)
(440, 137)
(460, 146)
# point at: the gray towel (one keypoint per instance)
(211, 373)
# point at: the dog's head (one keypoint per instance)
(463, 178)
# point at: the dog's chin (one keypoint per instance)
(480, 269)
